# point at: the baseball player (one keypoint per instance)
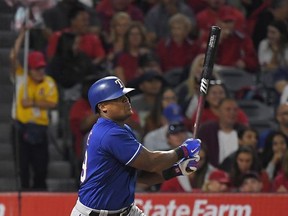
(113, 156)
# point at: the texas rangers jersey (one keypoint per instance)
(107, 180)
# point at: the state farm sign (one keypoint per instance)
(200, 207)
(155, 204)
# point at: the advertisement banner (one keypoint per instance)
(154, 204)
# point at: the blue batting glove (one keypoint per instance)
(191, 147)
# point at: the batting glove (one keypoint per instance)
(183, 167)
(189, 148)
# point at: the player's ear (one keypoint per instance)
(102, 107)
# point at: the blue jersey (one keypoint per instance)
(107, 180)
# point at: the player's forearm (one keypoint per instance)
(150, 179)
(155, 161)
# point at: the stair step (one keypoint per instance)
(6, 20)
(5, 134)
(5, 114)
(5, 8)
(5, 76)
(7, 38)
(6, 93)
(4, 57)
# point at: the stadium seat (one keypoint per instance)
(173, 77)
(256, 110)
(236, 79)
(262, 125)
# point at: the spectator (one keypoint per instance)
(177, 51)
(90, 44)
(156, 20)
(246, 137)
(81, 119)
(273, 50)
(57, 17)
(156, 117)
(157, 139)
(69, 66)
(218, 181)
(150, 85)
(251, 183)
(36, 94)
(106, 9)
(246, 161)
(277, 10)
(197, 5)
(235, 48)
(176, 133)
(251, 10)
(280, 81)
(210, 16)
(280, 183)
(276, 144)
(115, 40)
(282, 126)
(193, 182)
(217, 92)
(127, 63)
(188, 90)
(222, 139)
(149, 62)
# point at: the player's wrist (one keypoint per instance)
(182, 152)
(171, 172)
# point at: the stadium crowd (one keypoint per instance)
(157, 47)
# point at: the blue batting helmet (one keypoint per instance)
(105, 89)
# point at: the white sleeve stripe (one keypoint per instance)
(134, 155)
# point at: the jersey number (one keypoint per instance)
(84, 169)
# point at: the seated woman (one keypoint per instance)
(216, 92)
(157, 118)
(275, 146)
(246, 160)
(273, 50)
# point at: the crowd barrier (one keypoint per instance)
(153, 204)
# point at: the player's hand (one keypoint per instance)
(189, 165)
(183, 167)
(191, 147)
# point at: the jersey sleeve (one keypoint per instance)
(122, 144)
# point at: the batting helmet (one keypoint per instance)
(105, 89)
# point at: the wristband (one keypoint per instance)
(171, 172)
(181, 152)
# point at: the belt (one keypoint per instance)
(123, 213)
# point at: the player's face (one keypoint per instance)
(118, 109)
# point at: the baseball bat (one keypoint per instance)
(211, 49)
